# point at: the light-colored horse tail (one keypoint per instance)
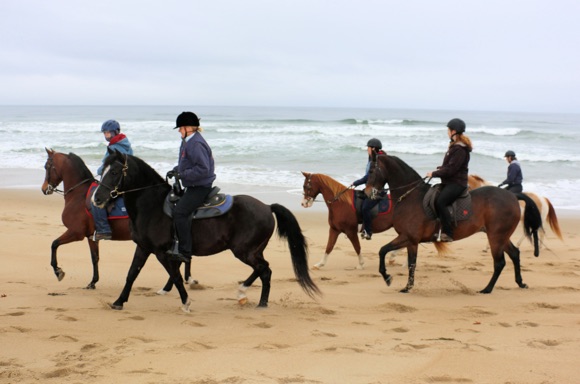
(553, 220)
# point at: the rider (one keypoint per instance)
(514, 173)
(373, 145)
(117, 140)
(453, 174)
(195, 168)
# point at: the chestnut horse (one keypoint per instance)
(342, 217)
(77, 178)
(544, 205)
(494, 211)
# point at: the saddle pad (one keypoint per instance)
(115, 210)
(460, 209)
(219, 205)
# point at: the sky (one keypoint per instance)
(498, 55)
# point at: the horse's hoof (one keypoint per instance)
(523, 286)
(91, 286)
(360, 267)
(485, 291)
(162, 292)
(262, 305)
(316, 267)
(405, 290)
(243, 301)
(192, 281)
(60, 274)
(185, 307)
(389, 280)
(116, 307)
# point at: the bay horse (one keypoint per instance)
(77, 178)
(342, 217)
(495, 211)
(245, 229)
(544, 205)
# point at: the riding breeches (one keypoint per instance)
(449, 193)
(188, 203)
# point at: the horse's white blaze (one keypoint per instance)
(307, 202)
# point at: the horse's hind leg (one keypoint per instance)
(263, 271)
(514, 254)
(498, 265)
(187, 277)
(94, 247)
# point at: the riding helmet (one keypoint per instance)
(187, 119)
(510, 154)
(456, 125)
(110, 126)
(375, 143)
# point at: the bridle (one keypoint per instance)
(115, 192)
(308, 187)
(376, 193)
(51, 187)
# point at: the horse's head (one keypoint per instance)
(53, 175)
(310, 190)
(377, 177)
(114, 172)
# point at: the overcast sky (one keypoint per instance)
(438, 54)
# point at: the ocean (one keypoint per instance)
(266, 148)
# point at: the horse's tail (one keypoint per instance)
(532, 220)
(553, 220)
(289, 229)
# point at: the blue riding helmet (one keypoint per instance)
(111, 126)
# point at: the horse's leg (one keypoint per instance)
(94, 247)
(263, 271)
(352, 236)
(393, 245)
(139, 259)
(412, 263)
(497, 249)
(169, 285)
(514, 254)
(67, 237)
(332, 237)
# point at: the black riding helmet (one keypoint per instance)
(510, 154)
(456, 125)
(375, 143)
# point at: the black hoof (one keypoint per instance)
(262, 305)
(485, 291)
(91, 286)
(59, 274)
(116, 307)
(389, 280)
(523, 286)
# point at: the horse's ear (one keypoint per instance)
(306, 174)
(49, 151)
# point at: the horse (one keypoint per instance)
(342, 217)
(495, 211)
(544, 205)
(245, 229)
(77, 178)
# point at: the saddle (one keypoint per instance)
(460, 209)
(215, 204)
(382, 208)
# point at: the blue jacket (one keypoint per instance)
(121, 144)
(514, 174)
(196, 165)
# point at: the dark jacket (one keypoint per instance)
(514, 174)
(455, 165)
(364, 179)
(196, 164)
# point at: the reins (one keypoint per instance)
(64, 193)
(115, 191)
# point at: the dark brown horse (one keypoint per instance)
(77, 178)
(342, 217)
(495, 211)
(245, 229)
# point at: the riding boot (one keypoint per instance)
(103, 229)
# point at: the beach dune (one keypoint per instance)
(359, 331)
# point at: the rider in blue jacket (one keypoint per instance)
(514, 174)
(117, 141)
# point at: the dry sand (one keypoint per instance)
(360, 331)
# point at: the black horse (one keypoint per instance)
(245, 229)
(495, 211)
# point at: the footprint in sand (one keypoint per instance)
(64, 338)
(66, 318)
(320, 333)
(19, 313)
(542, 344)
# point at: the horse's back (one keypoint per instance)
(492, 198)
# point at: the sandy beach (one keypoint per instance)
(360, 331)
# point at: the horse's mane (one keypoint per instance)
(405, 167)
(79, 164)
(144, 168)
(337, 188)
